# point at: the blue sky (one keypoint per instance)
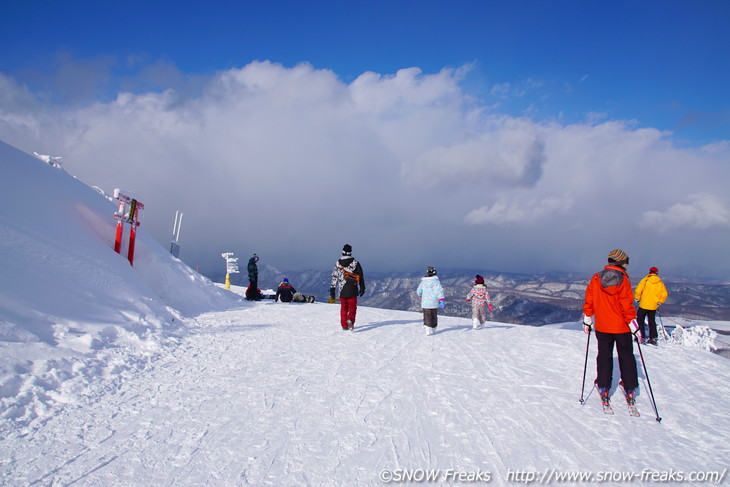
(533, 135)
(663, 63)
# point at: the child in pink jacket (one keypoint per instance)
(480, 302)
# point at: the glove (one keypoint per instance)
(362, 291)
(635, 329)
(441, 303)
(587, 324)
(332, 293)
(490, 307)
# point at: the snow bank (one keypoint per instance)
(71, 307)
(695, 336)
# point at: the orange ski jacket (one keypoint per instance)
(609, 300)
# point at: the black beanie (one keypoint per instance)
(347, 249)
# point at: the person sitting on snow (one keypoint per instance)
(287, 294)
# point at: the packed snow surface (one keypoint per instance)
(277, 394)
(113, 375)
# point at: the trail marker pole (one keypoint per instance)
(231, 267)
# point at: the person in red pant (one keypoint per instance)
(349, 280)
(609, 306)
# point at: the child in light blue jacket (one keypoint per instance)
(432, 298)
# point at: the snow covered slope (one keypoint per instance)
(151, 375)
(276, 394)
(70, 305)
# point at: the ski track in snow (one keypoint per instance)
(273, 394)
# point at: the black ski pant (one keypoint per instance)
(626, 360)
(430, 317)
(641, 314)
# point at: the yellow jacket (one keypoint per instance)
(650, 292)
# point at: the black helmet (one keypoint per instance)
(430, 271)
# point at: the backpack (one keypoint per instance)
(350, 277)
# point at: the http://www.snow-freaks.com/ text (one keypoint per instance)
(551, 475)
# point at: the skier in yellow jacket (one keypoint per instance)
(650, 293)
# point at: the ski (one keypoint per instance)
(607, 409)
(630, 402)
(605, 402)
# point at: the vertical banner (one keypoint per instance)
(131, 216)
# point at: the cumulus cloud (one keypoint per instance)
(703, 211)
(409, 87)
(505, 213)
(292, 162)
(512, 155)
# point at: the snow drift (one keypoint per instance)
(65, 293)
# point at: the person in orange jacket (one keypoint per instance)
(609, 307)
(650, 293)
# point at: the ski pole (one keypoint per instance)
(585, 366)
(646, 374)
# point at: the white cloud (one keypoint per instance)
(704, 211)
(407, 89)
(500, 90)
(519, 212)
(594, 118)
(293, 162)
(14, 96)
(512, 154)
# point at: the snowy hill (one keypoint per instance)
(69, 304)
(152, 375)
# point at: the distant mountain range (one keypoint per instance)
(526, 299)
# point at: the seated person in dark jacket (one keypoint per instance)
(287, 294)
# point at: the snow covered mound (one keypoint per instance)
(65, 293)
(696, 336)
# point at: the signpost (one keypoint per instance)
(231, 267)
(131, 216)
(174, 246)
